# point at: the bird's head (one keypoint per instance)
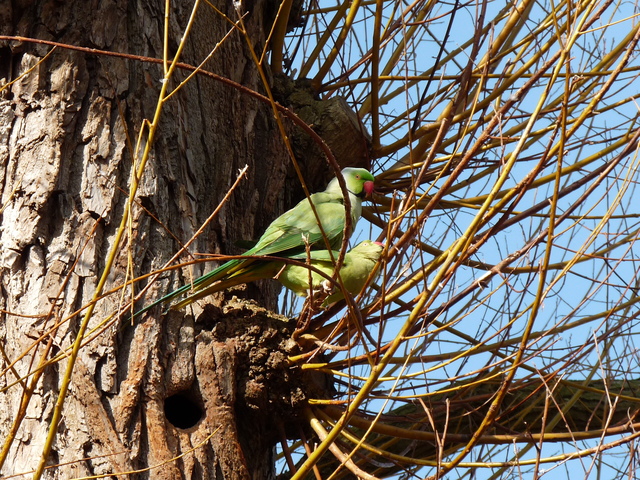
(359, 182)
(369, 249)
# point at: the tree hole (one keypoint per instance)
(182, 411)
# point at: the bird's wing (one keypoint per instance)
(289, 231)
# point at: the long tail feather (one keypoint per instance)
(256, 270)
(197, 285)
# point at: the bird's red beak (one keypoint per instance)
(368, 187)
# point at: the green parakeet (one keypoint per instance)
(286, 236)
(358, 264)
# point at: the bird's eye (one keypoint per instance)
(358, 176)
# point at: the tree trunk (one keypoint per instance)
(68, 129)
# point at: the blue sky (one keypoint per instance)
(583, 341)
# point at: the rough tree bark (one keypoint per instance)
(68, 126)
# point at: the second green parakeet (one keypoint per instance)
(359, 263)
